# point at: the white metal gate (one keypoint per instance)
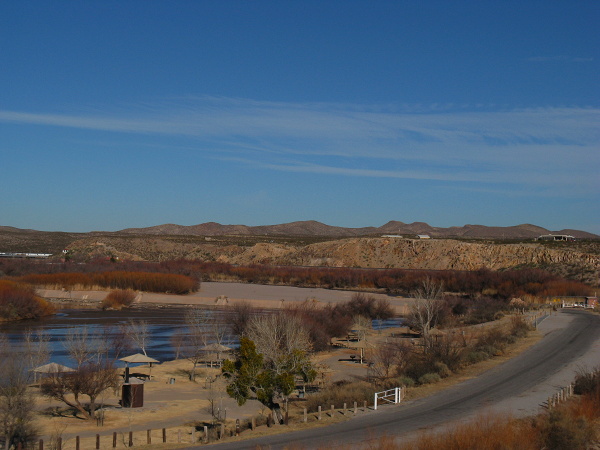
(390, 396)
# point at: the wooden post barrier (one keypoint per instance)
(332, 408)
(164, 435)
(97, 442)
(222, 433)
(77, 447)
(319, 413)
(131, 438)
(355, 408)
(179, 436)
(148, 437)
(305, 415)
(344, 408)
(59, 443)
(206, 434)
(41, 446)
(365, 405)
(237, 427)
(253, 423)
(114, 439)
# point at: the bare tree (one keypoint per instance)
(94, 374)
(139, 333)
(178, 341)
(79, 346)
(425, 307)
(37, 347)
(390, 358)
(16, 402)
(240, 314)
(273, 353)
(118, 340)
(282, 340)
(197, 321)
(361, 326)
(90, 379)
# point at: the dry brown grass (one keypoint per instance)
(485, 432)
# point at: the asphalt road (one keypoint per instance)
(519, 386)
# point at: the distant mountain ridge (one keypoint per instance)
(315, 228)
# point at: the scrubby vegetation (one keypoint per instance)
(405, 364)
(497, 285)
(18, 301)
(140, 281)
(321, 322)
(118, 299)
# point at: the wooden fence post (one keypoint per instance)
(332, 408)
(41, 446)
(222, 433)
(365, 406)
(148, 437)
(355, 408)
(344, 408)
(114, 439)
(305, 415)
(253, 423)
(131, 438)
(97, 442)
(77, 443)
(164, 435)
(319, 416)
(179, 436)
(59, 443)
(206, 434)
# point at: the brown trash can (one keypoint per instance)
(132, 394)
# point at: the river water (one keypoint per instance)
(163, 324)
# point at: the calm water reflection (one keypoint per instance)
(163, 323)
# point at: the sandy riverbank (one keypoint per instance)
(221, 293)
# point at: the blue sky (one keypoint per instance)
(117, 114)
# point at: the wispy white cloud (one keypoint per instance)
(535, 147)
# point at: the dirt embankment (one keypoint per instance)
(355, 252)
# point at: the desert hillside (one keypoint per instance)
(378, 252)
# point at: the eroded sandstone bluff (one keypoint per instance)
(358, 252)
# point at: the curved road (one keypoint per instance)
(519, 386)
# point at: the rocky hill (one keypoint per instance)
(375, 252)
(312, 243)
(314, 228)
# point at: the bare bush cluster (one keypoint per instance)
(17, 404)
(19, 301)
(118, 299)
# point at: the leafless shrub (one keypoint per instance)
(240, 314)
(390, 359)
(139, 333)
(16, 402)
(118, 299)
